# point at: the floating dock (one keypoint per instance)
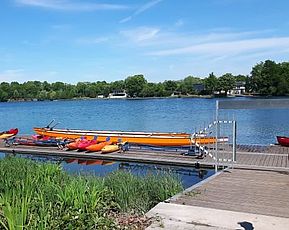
(270, 157)
(232, 199)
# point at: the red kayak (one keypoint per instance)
(82, 145)
(10, 131)
(74, 145)
(284, 141)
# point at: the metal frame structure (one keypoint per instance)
(243, 104)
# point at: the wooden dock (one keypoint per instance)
(249, 191)
(174, 158)
(270, 157)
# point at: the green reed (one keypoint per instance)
(36, 195)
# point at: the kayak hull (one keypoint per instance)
(110, 149)
(96, 147)
(153, 139)
(283, 141)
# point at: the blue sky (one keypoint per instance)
(91, 40)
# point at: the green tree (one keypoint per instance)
(211, 83)
(226, 82)
(42, 95)
(3, 95)
(134, 85)
(283, 84)
(149, 90)
(170, 86)
(240, 77)
(117, 85)
(30, 89)
(265, 78)
(186, 86)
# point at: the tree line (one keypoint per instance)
(266, 78)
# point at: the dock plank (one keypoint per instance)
(252, 191)
(270, 159)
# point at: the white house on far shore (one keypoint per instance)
(118, 94)
(239, 88)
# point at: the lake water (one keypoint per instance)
(188, 176)
(175, 115)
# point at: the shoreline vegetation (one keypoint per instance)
(128, 98)
(40, 195)
(267, 78)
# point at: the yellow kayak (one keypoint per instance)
(110, 148)
(6, 135)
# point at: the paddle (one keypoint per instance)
(50, 123)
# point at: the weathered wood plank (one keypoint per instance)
(273, 157)
(252, 191)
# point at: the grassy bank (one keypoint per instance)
(37, 195)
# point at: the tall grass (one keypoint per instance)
(138, 195)
(37, 195)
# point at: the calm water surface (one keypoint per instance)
(188, 176)
(176, 115)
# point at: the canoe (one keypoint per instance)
(110, 148)
(139, 138)
(112, 132)
(283, 141)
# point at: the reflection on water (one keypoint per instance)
(188, 176)
(88, 162)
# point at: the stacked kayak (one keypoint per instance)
(39, 140)
(9, 133)
(138, 138)
(99, 146)
(110, 148)
(83, 144)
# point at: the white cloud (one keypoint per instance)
(70, 6)
(11, 75)
(160, 39)
(229, 47)
(140, 34)
(140, 10)
(21, 75)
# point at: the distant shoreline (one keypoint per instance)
(149, 98)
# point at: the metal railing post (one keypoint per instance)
(234, 141)
(217, 133)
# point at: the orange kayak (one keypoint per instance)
(99, 146)
(140, 138)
